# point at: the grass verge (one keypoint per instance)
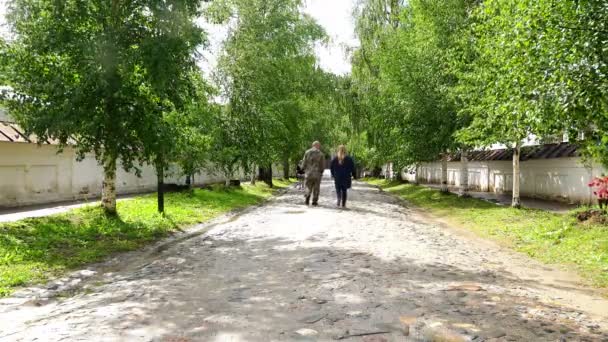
(32, 250)
(549, 237)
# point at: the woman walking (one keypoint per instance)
(342, 168)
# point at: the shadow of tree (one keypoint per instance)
(33, 249)
(274, 287)
(231, 286)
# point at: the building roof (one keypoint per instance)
(11, 132)
(546, 151)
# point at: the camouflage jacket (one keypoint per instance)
(314, 163)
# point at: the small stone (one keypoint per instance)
(54, 285)
(497, 334)
(334, 276)
(333, 318)
(314, 318)
(37, 302)
(374, 339)
(176, 261)
(357, 314)
(465, 287)
(319, 300)
(442, 334)
(409, 320)
(307, 332)
(86, 273)
(75, 282)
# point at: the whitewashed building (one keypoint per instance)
(32, 173)
(550, 171)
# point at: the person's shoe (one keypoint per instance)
(307, 201)
(314, 204)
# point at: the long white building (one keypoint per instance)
(32, 173)
(550, 171)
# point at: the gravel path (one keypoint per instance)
(378, 271)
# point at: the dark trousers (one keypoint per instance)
(341, 191)
(313, 186)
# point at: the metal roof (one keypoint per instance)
(11, 132)
(546, 151)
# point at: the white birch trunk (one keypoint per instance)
(108, 192)
(444, 174)
(516, 202)
(464, 174)
(253, 175)
(228, 176)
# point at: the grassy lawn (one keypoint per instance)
(551, 238)
(32, 250)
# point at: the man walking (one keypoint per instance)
(314, 165)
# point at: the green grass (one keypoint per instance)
(549, 237)
(33, 250)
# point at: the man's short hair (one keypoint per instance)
(316, 143)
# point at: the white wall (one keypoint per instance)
(563, 179)
(32, 174)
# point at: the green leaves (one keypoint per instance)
(267, 70)
(105, 72)
(402, 72)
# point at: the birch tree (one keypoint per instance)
(267, 65)
(104, 72)
(403, 72)
(499, 88)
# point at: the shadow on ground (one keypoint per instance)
(317, 286)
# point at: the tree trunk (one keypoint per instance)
(464, 174)
(160, 185)
(416, 174)
(400, 177)
(286, 168)
(253, 174)
(189, 181)
(269, 179)
(108, 188)
(266, 175)
(394, 16)
(444, 174)
(516, 202)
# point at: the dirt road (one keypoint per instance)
(285, 272)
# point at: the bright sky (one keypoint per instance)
(334, 15)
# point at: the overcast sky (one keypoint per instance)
(334, 15)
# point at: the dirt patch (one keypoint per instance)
(593, 216)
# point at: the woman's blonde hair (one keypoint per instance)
(341, 153)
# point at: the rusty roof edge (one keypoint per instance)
(22, 134)
(7, 137)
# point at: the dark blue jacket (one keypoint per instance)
(342, 172)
